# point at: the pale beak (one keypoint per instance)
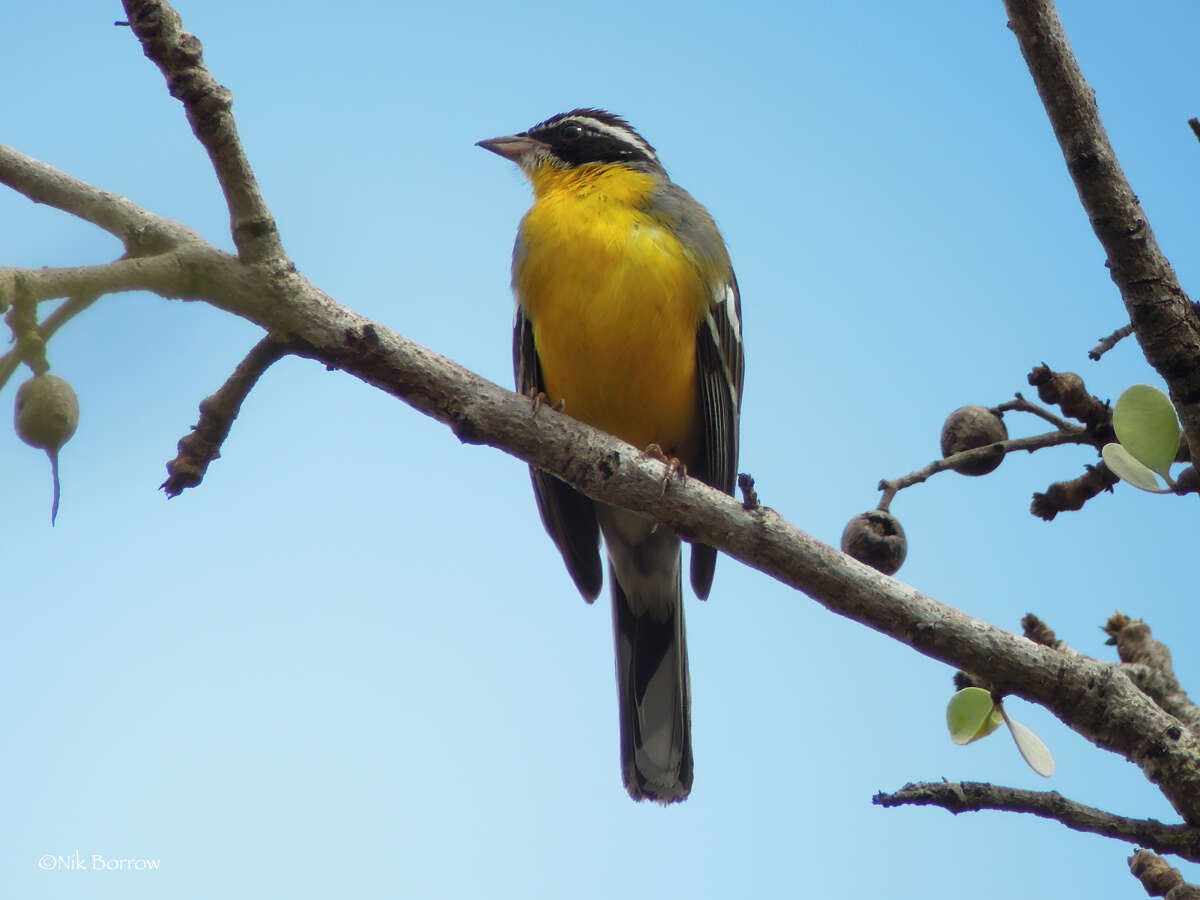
(512, 147)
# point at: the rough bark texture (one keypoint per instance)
(1164, 320)
(971, 796)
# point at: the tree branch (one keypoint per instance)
(971, 796)
(1067, 391)
(140, 231)
(170, 274)
(1147, 661)
(891, 487)
(1160, 879)
(217, 412)
(1107, 343)
(45, 329)
(1165, 321)
(1020, 404)
(1069, 496)
(208, 104)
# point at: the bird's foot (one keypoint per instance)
(538, 399)
(674, 464)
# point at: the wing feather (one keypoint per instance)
(720, 365)
(568, 516)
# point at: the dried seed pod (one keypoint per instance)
(876, 538)
(969, 427)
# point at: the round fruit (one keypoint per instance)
(969, 427)
(47, 412)
(876, 538)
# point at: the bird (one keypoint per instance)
(628, 318)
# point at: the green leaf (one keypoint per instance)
(1146, 426)
(1125, 467)
(1033, 750)
(971, 715)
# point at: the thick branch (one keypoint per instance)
(1165, 322)
(178, 56)
(970, 796)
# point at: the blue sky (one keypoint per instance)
(352, 664)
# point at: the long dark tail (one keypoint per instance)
(653, 690)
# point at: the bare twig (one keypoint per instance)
(970, 796)
(1107, 343)
(178, 56)
(217, 412)
(1095, 433)
(1020, 404)
(891, 487)
(1165, 322)
(1194, 124)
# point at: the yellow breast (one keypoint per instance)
(615, 305)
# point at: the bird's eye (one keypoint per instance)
(572, 132)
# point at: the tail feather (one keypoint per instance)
(654, 699)
(653, 689)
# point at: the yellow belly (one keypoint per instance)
(615, 306)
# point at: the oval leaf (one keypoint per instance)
(1125, 467)
(1033, 750)
(1146, 426)
(970, 715)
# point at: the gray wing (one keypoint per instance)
(720, 364)
(568, 516)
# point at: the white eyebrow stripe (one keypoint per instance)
(625, 135)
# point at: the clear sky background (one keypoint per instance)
(351, 663)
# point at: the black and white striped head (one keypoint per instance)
(577, 138)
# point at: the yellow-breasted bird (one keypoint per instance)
(628, 314)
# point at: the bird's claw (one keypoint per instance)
(538, 399)
(674, 464)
